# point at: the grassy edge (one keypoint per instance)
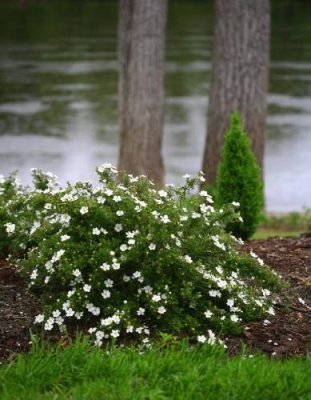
(176, 371)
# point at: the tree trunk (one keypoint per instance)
(239, 76)
(141, 86)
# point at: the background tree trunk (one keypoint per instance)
(239, 76)
(141, 86)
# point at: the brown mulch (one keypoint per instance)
(288, 333)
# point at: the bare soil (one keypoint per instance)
(288, 333)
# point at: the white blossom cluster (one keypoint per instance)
(132, 261)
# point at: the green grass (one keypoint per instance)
(176, 372)
(292, 221)
(267, 233)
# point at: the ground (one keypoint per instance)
(288, 333)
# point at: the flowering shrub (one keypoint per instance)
(128, 260)
(11, 192)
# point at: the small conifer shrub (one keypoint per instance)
(239, 179)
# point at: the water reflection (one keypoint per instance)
(58, 98)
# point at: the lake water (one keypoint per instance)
(58, 92)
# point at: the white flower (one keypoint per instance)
(118, 227)
(87, 288)
(119, 213)
(136, 275)
(101, 200)
(117, 199)
(165, 219)
(188, 259)
(265, 292)
(79, 315)
(156, 298)
(214, 293)
(116, 319)
(195, 215)
(212, 337)
(59, 320)
(108, 283)
(208, 314)
(48, 206)
(57, 256)
(96, 231)
(162, 193)
(115, 333)
(92, 309)
(123, 247)
(69, 312)
(56, 313)
(161, 310)
(301, 300)
(219, 269)
(203, 193)
(34, 227)
(106, 294)
(235, 204)
(39, 318)
(107, 166)
(107, 321)
(147, 289)
(130, 329)
(230, 302)
(234, 318)
(201, 339)
(254, 255)
(271, 311)
(183, 218)
(131, 234)
(84, 210)
(10, 228)
(217, 243)
(155, 214)
(48, 326)
(71, 292)
(76, 273)
(152, 246)
(108, 192)
(141, 311)
(63, 238)
(105, 267)
(158, 201)
(34, 274)
(126, 278)
(115, 264)
(99, 334)
(186, 176)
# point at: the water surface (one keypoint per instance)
(58, 92)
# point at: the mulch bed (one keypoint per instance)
(287, 334)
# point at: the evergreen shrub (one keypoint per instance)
(239, 180)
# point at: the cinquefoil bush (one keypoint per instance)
(12, 195)
(239, 180)
(129, 261)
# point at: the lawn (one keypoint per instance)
(176, 371)
(265, 233)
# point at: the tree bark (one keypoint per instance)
(239, 76)
(141, 36)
